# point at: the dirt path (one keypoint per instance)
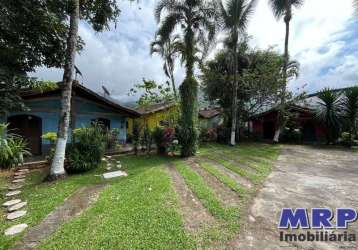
(238, 178)
(303, 177)
(194, 214)
(225, 194)
(73, 206)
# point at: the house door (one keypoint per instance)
(269, 130)
(30, 128)
(309, 132)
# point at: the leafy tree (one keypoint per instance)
(168, 51)
(152, 93)
(259, 81)
(234, 20)
(99, 13)
(196, 20)
(350, 109)
(33, 33)
(283, 8)
(329, 112)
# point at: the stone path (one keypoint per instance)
(74, 206)
(13, 206)
(110, 165)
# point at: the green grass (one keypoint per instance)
(141, 211)
(244, 154)
(41, 199)
(136, 212)
(227, 217)
(226, 180)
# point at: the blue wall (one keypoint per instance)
(48, 111)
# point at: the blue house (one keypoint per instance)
(43, 115)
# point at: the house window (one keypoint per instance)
(164, 123)
(105, 123)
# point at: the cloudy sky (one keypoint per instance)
(324, 39)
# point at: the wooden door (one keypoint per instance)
(30, 128)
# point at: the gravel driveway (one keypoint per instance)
(303, 177)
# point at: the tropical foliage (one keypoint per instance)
(168, 50)
(87, 148)
(329, 112)
(350, 113)
(196, 21)
(13, 148)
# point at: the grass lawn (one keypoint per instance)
(141, 211)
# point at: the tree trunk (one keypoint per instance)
(281, 123)
(189, 133)
(57, 167)
(234, 101)
(173, 83)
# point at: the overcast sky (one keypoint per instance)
(324, 39)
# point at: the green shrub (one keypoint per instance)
(347, 140)
(136, 136)
(12, 149)
(158, 136)
(147, 140)
(52, 138)
(87, 149)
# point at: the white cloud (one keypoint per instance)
(120, 58)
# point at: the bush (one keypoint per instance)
(87, 149)
(208, 135)
(12, 149)
(347, 140)
(147, 140)
(113, 139)
(163, 138)
(136, 136)
(52, 138)
(223, 134)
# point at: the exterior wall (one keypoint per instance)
(213, 122)
(152, 120)
(48, 110)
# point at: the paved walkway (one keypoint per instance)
(303, 177)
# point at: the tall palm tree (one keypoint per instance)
(168, 51)
(57, 166)
(329, 112)
(196, 20)
(283, 8)
(234, 17)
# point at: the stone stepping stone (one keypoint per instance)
(15, 229)
(119, 165)
(15, 215)
(23, 170)
(15, 187)
(108, 169)
(17, 206)
(11, 202)
(114, 174)
(19, 176)
(13, 193)
(18, 181)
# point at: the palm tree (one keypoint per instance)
(57, 169)
(196, 20)
(283, 8)
(350, 109)
(234, 17)
(168, 51)
(329, 112)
